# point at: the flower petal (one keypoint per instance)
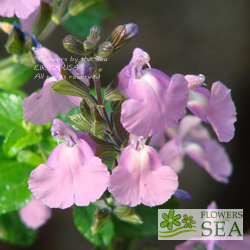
(141, 178)
(22, 9)
(212, 156)
(41, 108)
(35, 214)
(172, 155)
(75, 177)
(51, 61)
(222, 112)
(216, 108)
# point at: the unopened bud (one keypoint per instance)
(101, 217)
(122, 34)
(74, 45)
(94, 34)
(84, 69)
(105, 50)
(16, 39)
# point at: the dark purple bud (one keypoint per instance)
(84, 69)
(131, 31)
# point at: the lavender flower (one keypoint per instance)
(154, 100)
(72, 174)
(194, 140)
(140, 177)
(215, 107)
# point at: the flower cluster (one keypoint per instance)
(152, 108)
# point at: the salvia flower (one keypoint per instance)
(194, 140)
(72, 174)
(20, 8)
(154, 100)
(35, 214)
(215, 107)
(140, 176)
(41, 108)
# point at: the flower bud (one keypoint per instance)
(105, 50)
(16, 39)
(101, 217)
(94, 34)
(119, 37)
(74, 45)
(122, 34)
(84, 69)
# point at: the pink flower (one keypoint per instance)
(72, 175)
(194, 140)
(154, 100)
(41, 108)
(35, 214)
(215, 107)
(22, 8)
(140, 177)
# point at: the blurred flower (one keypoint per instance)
(72, 175)
(215, 107)
(140, 176)
(20, 8)
(35, 214)
(194, 140)
(154, 100)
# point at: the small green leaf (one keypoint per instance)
(15, 76)
(81, 24)
(29, 157)
(14, 191)
(128, 214)
(148, 215)
(101, 217)
(83, 217)
(17, 139)
(12, 230)
(67, 88)
(11, 113)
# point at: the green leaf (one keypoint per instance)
(15, 76)
(83, 217)
(29, 157)
(11, 113)
(14, 231)
(81, 24)
(148, 215)
(14, 191)
(17, 139)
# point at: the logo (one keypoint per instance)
(205, 224)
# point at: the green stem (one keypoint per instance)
(42, 153)
(97, 84)
(57, 18)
